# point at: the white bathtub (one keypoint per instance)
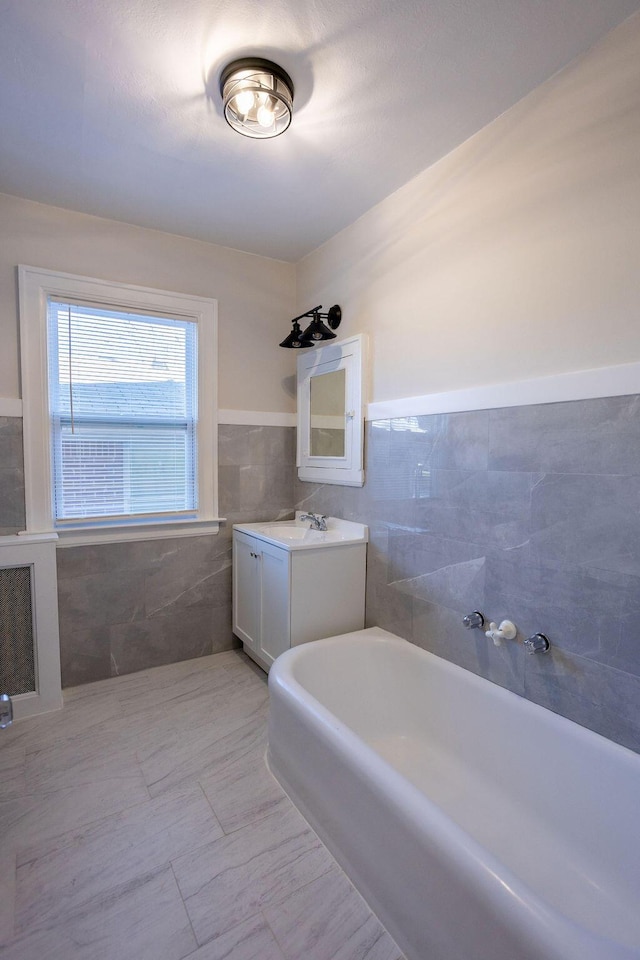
(477, 825)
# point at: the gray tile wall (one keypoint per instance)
(527, 513)
(128, 606)
(531, 513)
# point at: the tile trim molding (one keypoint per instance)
(12, 407)
(616, 381)
(257, 418)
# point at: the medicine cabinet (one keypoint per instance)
(331, 413)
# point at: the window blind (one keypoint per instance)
(123, 404)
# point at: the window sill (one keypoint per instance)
(163, 530)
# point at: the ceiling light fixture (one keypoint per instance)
(257, 97)
(316, 331)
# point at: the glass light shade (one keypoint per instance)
(257, 97)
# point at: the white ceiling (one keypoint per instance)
(111, 107)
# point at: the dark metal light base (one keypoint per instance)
(334, 317)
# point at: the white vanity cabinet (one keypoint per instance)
(260, 597)
(286, 593)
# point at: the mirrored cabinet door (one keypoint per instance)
(331, 413)
(328, 408)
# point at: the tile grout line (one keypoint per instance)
(273, 934)
(198, 944)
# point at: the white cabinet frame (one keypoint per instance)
(350, 356)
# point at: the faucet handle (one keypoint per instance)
(506, 631)
(474, 619)
(538, 643)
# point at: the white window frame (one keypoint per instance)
(36, 285)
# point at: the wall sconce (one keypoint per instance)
(257, 97)
(316, 331)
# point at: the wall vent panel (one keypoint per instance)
(17, 661)
(29, 641)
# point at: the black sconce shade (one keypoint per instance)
(317, 330)
(296, 338)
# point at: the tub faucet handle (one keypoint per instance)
(538, 643)
(506, 631)
(474, 619)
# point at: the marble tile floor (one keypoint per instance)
(141, 823)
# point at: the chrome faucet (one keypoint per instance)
(317, 522)
(538, 643)
(473, 620)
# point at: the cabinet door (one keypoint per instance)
(275, 620)
(246, 589)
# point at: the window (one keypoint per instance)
(125, 413)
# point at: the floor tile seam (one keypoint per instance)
(248, 823)
(280, 946)
(252, 820)
(242, 751)
(111, 779)
(277, 903)
(135, 879)
(131, 703)
(187, 914)
(204, 794)
(196, 774)
(82, 825)
(371, 914)
(147, 711)
(96, 902)
(213, 812)
(24, 734)
(268, 850)
(271, 905)
(334, 864)
(344, 875)
(115, 816)
(78, 740)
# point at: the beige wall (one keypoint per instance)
(516, 256)
(255, 295)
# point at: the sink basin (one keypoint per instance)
(295, 535)
(285, 532)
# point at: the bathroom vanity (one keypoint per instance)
(293, 584)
